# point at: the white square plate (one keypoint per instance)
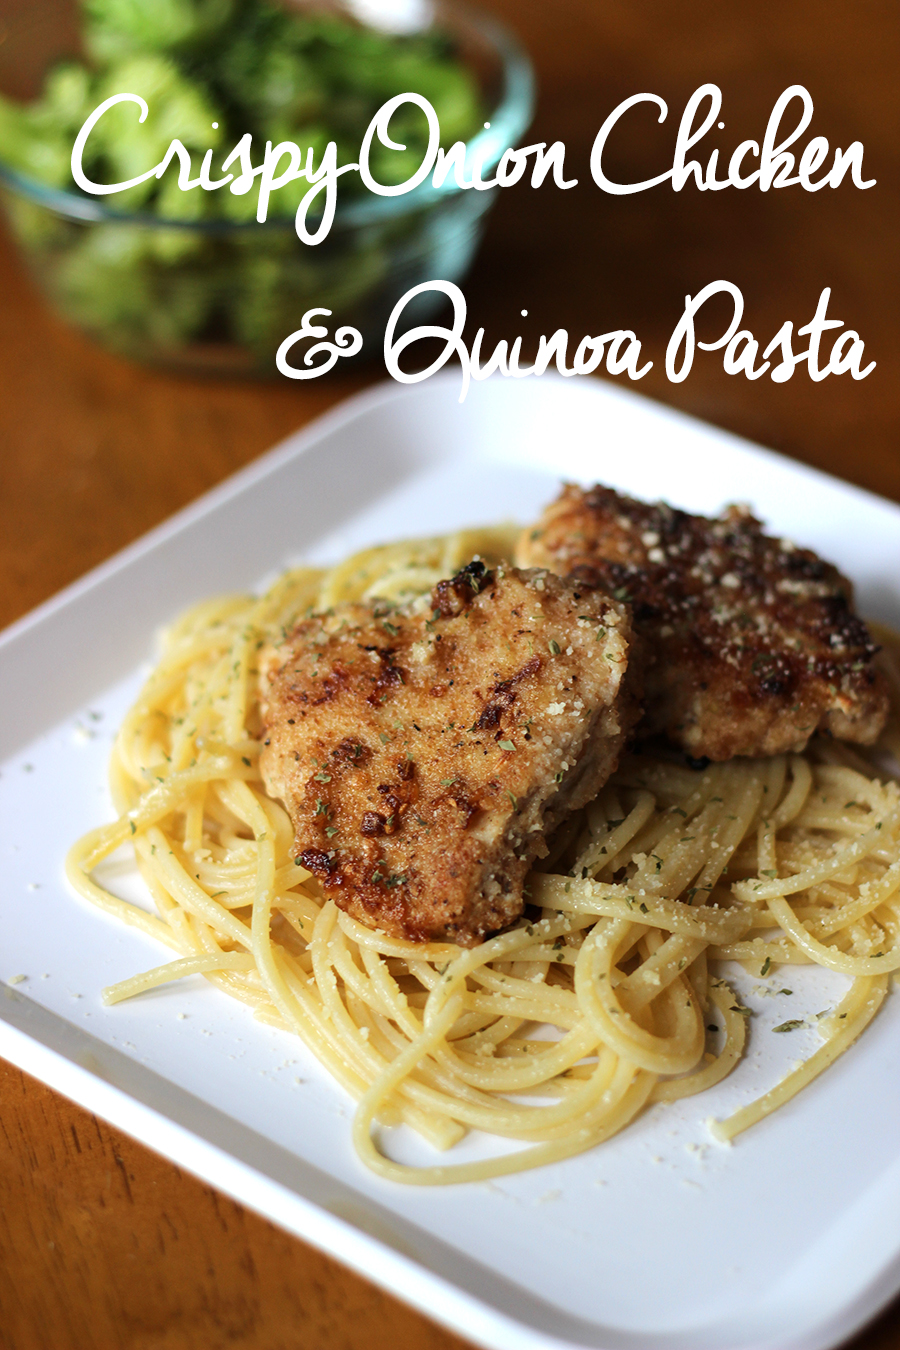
(659, 1239)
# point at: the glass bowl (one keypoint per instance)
(219, 296)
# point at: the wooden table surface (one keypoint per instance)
(102, 1244)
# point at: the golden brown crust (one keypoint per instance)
(422, 756)
(754, 642)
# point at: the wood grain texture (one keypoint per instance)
(102, 1244)
(106, 1245)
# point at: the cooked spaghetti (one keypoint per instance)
(601, 1000)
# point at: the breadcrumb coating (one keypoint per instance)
(752, 643)
(423, 754)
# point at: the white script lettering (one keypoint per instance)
(623, 354)
(741, 347)
(776, 162)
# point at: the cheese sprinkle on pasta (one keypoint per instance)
(605, 997)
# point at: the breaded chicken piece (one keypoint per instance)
(423, 756)
(752, 643)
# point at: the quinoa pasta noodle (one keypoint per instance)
(607, 996)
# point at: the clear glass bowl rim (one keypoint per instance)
(508, 120)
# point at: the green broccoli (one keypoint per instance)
(116, 28)
(210, 72)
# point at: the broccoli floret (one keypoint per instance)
(108, 283)
(127, 147)
(37, 138)
(116, 28)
